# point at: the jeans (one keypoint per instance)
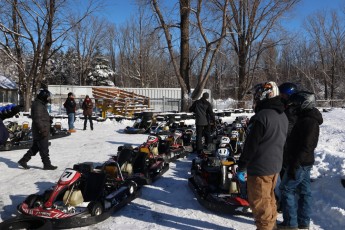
(296, 210)
(71, 121)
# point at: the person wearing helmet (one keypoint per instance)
(262, 156)
(40, 131)
(300, 157)
(286, 90)
(204, 116)
(70, 106)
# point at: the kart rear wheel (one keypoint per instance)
(95, 208)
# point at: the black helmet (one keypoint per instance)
(302, 101)
(44, 95)
(288, 88)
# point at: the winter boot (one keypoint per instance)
(84, 128)
(72, 130)
(91, 127)
(23, 163)
(49, 167)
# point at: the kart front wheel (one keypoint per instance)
(31, 200)
(132, 188)
(95, 208)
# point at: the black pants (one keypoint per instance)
(39, 145)
(86, 117)
(202, 130)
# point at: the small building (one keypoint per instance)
(8, 91)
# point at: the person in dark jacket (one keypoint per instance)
(262, 156)
(70, 106)
(40, 131)
(286, 89)
(204, 115)
(87, 107)
(300, 157)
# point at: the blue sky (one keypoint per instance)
(118, 11)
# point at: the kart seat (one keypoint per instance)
(111, 170)
(94, 186)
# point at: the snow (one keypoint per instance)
(169, 203)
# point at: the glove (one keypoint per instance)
(241, 176)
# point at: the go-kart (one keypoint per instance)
(142, 164)
(56, 131)
(20, 136)
(82, 196)
(214, 183)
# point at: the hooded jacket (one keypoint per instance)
(203, 112)
(263, 149)
(304, 138)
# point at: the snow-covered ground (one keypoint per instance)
(169, 203)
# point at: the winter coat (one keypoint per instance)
(87, 107)
(304, 138)
(70, 105)
(292, 117)
(3, 133)
(263, 149)
(203, 112)
(40, 120)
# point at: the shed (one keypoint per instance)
(8, 91)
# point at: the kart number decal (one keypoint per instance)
(67, 175)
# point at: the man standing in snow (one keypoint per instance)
(300, 157)
(87, 107)
(204, 115)
(40, 131)
(70, 106)
(262, 155)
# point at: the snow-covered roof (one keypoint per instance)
(6, 83)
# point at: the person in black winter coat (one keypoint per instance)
(40, 131)
(204, 115)
(300, 158)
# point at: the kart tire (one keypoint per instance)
(26, 223)
(132, 188)
(95, 208)
(30, 200)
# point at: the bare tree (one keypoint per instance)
(328, 34)
(210, 36)
(30, 29)
(249, 27)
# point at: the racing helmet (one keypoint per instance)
(44, 95)
(166, 128)
(303, 101)
(223, 152)
(288, 88)
(266, 91)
